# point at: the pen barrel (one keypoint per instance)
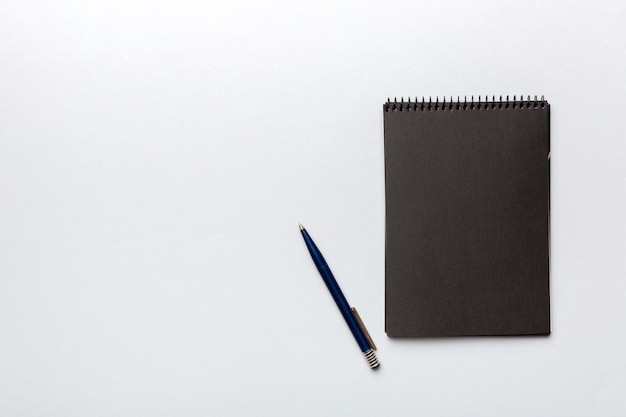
(337, 294)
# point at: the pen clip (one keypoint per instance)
(362, 326)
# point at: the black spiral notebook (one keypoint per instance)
(467, 188)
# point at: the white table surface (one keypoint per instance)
(157, 156)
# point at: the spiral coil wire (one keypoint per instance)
(483, 103)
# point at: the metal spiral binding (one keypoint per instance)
(371, 358)
(482, 104)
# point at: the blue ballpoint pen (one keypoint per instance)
(351, 316)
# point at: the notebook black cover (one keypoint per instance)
(467, 189)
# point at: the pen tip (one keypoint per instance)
(301, 227)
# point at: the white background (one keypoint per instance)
(157, 156)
